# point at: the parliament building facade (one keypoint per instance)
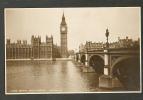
(38, 49)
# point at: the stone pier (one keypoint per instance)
(108, 80)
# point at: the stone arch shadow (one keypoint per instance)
(127, 70)
(97, 63)
(77, 57)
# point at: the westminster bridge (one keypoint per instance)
(117, 64)
(117, 67)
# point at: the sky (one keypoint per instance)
(84, 24)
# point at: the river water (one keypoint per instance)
(48, 76)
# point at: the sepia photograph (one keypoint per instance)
(72, 50)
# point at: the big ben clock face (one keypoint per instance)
(63, 28)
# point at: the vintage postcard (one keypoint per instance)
(72, 50)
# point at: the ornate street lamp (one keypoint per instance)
(107, 35)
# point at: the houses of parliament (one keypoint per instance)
(38, 49)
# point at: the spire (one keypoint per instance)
(63, 17)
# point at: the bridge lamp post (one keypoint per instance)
(106, 58)
(107, 80)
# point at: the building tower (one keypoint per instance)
(35, 42)
(63, 30)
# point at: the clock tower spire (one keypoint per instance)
(63, 30)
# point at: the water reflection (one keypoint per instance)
(59, 76)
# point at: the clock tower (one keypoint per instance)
(63, 30)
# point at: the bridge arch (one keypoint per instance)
(127, 70)
(77, 57)
(97, 62)
(118, 60)
(83, 59)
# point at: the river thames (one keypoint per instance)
(48, 76)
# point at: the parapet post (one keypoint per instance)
(79, 57)
(106, 62)
(86, 59)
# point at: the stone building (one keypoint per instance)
(18, 50)
(35, 50)
(38, 49)
(90, 46)
(125, 43)
(94, 45)
(121, 43)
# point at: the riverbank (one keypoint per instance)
(41, 59)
